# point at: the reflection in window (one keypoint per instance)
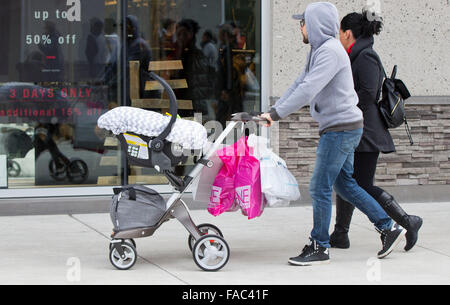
(218, 45)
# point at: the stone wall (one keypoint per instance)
(415, 37)
(425, 163)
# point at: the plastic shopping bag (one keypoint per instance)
(277, 182)
(275, 202)
(222, 191)
(247, 181)
(238, 183)
(248, 187)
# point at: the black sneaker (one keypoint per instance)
(390, 239)
(312, 254)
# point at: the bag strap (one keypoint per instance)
(380, 88)
(382, 67)
(408, 132)
(378, 59)
(380, 63)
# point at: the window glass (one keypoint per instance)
(58, 74)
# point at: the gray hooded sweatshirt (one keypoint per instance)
(326, 84)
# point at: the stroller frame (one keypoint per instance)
(175, 206)
(203, 244)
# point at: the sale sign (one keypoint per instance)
(50, 39)
(55, 67)
(25, 103)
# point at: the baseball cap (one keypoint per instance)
(299, 16)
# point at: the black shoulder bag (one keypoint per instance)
(392, 103)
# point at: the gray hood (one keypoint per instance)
(326, 84)
(322, 23)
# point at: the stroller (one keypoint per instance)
(137, 211)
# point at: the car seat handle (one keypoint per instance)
(173, 107)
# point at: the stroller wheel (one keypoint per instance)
(127, 261)
(206, 229)
(77, 171)
(13, 169)
(211, 253)
(57, 171)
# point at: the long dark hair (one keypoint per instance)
(360, 25)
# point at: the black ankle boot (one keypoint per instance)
(344, 212)
(412, 224)
(339, 240)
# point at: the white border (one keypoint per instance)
(266, 80)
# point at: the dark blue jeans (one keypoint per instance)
(334, 168)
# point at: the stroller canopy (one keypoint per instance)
(189, 134)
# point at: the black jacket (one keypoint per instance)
(368, 77)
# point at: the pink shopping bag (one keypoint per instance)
(247, 184)
(238, 184)
(222, 193)
(222, 190)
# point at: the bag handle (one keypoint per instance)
(394, 73)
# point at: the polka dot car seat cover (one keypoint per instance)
(188, 134)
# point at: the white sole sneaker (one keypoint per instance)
(314, 263)
(394, 244)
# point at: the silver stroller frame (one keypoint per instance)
(210, 250)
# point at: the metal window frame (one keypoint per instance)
(266, 80)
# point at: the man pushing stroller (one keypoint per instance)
(327, 86)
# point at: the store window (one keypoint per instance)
(62, 68)
(217, 44)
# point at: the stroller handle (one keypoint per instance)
(248, 117)
(173, 106)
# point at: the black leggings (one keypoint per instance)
(365, 166)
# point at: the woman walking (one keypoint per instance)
(357, 37)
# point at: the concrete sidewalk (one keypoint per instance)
(48, 250)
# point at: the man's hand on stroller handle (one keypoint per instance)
(267, 122)
(259, 118)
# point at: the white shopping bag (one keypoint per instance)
(275, 202)
(277, 183)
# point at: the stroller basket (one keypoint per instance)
(136, 207)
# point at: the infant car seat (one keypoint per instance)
(153, 140)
